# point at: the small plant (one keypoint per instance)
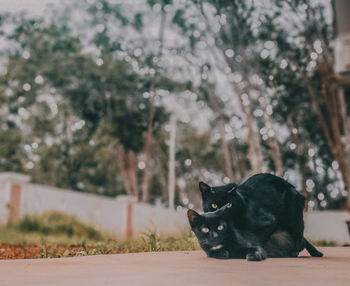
(151, 237)
(324, 243)
(44, 253)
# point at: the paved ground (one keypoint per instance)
(180, 269)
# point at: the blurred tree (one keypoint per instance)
(107, 97)
(223, 32)
(299, 70)
(145, 51)
(83, 99)
(247, 36)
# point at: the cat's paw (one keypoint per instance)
(294, 254)
(257, 255)
(224, 254)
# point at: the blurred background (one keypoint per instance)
(140, 100)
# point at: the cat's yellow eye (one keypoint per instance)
(205, 229)
(229, 205)
(220, 227)
(214, 206)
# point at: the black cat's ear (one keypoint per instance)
(193, 217)
(230, 191)
(204, 188)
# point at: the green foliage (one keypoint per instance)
(106, 80)
(200, 149)
(56, 223)
(179, 18)
(151, 3)
(107, 98)
(138, 24)
(10, 153)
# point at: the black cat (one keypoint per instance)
(219, 238)
(262, 204)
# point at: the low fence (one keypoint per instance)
(122, 216)
(125, 217)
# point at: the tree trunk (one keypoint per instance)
(147, 153)
(219, 119)
(242, 166)
(335, 122)
(275, 153)
(238, 163)
(338, 127)
(131, 164)
(253, 140)
(123, 171)
(225, 151)
(149, 137)
(345, 140)
(274, 148)
(254, 144)
(301, 152)
(127, 165)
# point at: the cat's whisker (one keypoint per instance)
(216, 247)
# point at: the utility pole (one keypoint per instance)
(171, 176)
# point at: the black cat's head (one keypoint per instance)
(212, 228)
(214, 198)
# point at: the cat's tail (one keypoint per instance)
(312, 249)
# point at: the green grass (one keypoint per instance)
(53, 229)
(54, 223)
(323, 243)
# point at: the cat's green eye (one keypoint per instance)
(205, 229)
(214, 206)
(220, 227)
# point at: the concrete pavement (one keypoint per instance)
(180, 269)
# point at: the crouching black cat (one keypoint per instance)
(265, 207)
(219, 238)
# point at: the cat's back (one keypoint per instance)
(268, 187)
(258, 181)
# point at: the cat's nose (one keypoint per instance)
(214, 234)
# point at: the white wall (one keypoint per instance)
(327, 225)
(161, 219)
(103, 212)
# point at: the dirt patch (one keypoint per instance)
(8, 251)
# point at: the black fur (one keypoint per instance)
(262, 205)
(215, 195)
(227, 242)
(280, 244)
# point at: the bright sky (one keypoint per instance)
(32, 6)
(37, 7)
